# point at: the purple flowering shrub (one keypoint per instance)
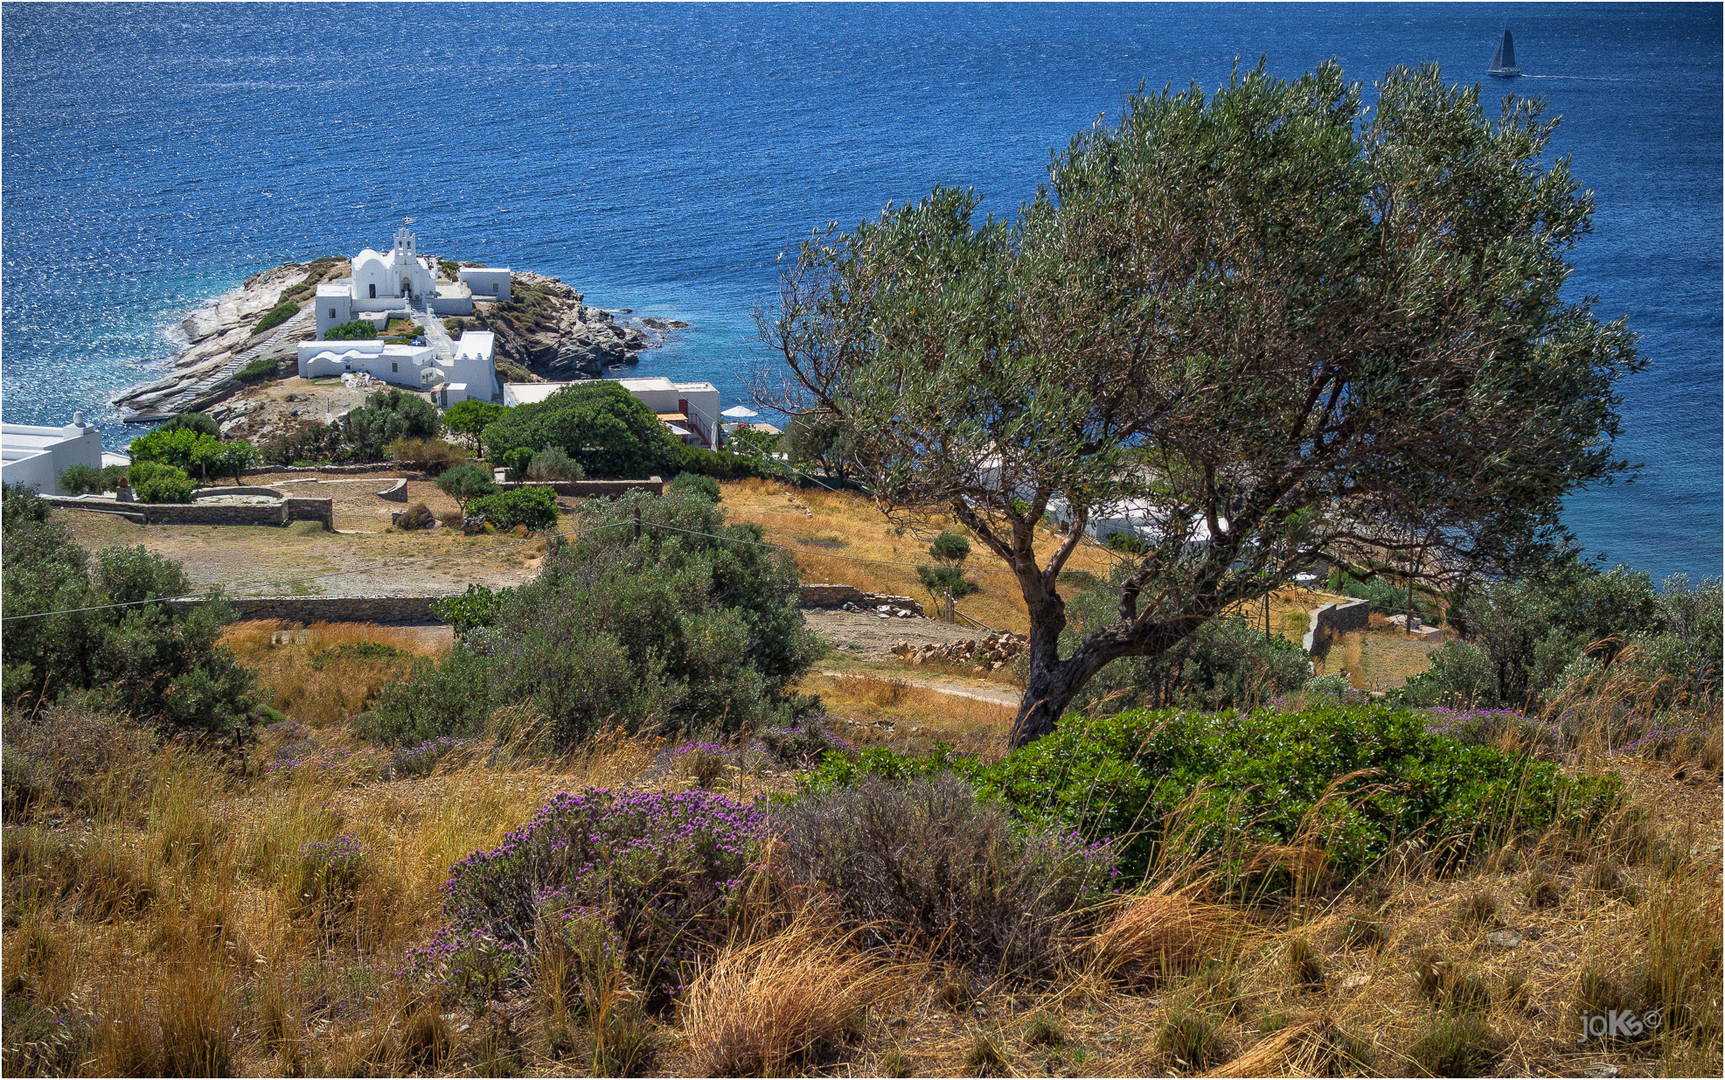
(1481, 727)
(665, 869)
(422, 759)
(801, 744)
(925, 864)
(329, 872)
(701, 763)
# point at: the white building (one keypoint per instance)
(36, 456)
(689, 409)
(467, 362)
(397, 283)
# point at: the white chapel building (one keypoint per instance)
(406, 284)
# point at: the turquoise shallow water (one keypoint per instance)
(660, 158)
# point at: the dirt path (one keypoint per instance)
(940, 684)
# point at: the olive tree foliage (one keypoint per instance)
(1290, 326)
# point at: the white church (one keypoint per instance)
(406, 284)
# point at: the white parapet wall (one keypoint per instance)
(35, 456)
(487, 282)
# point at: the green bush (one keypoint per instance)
(1386, 597)
(277, 315)
(257, 371)
(597, 423)
(554, 464)
(154, 482)
(534, 507)
(81, 480)
(464, 483)
(673, 629)
(356, 330)
(720, 466)
(154, 661)
(202, 423)
(695, 484)
(1224, 786)
(387, 415)
(311, 443)
(939, 580)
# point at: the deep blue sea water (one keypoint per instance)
(661, 157)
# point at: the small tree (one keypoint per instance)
(950, 549)
(822, 439)
(464, 483)
(1278, 326)
(468, 418)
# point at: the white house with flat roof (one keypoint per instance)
(404, 280)
(36, 456)
(689, 409)
(467, 362)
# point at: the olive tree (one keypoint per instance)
(1271, 326)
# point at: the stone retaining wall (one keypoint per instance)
(1332, 619)
(205, 513)
(833, 595)
(218, 492)
(312, 609)
(589, 489)
(368, 467)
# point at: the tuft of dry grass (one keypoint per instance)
(763, 1005)
(872, 710)
(1160, 934)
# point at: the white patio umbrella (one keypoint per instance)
(739, 412)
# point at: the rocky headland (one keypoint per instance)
(248, 336)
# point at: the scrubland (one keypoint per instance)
(278, 909)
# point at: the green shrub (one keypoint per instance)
(157, 662)
(1386, 597)
(356, 330)
(387, 415)
(597, 423)
(534, 507)
(201, 423)
(940, 580)
(258, 370)
(464, 483)
(673, 629)
(721, 466)
(1222, 786)
(310, 443)
(695, 484)
(277, 315)
(81, 480)
(554, 464)
(478, 606)
(154, 482)
(470, 417)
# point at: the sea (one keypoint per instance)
(663, 158)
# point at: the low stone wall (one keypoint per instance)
(313, 609)
(368, 467)
(396, 492)
(218, 492)
(833, 595)
(1332, 619)
(208, 513)
(590, 489)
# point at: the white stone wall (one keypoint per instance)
(487, 282)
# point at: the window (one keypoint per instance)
(332, 313)
(494, 288)
(373, 288)
(392, 365)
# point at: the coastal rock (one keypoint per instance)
(550, 331)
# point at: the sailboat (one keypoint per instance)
(1503, 60)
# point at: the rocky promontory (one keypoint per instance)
(550, 331)
(251, 334)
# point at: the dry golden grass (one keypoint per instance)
(1167, 933)
(762, 1006)
(874, 710)
(316, 677)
